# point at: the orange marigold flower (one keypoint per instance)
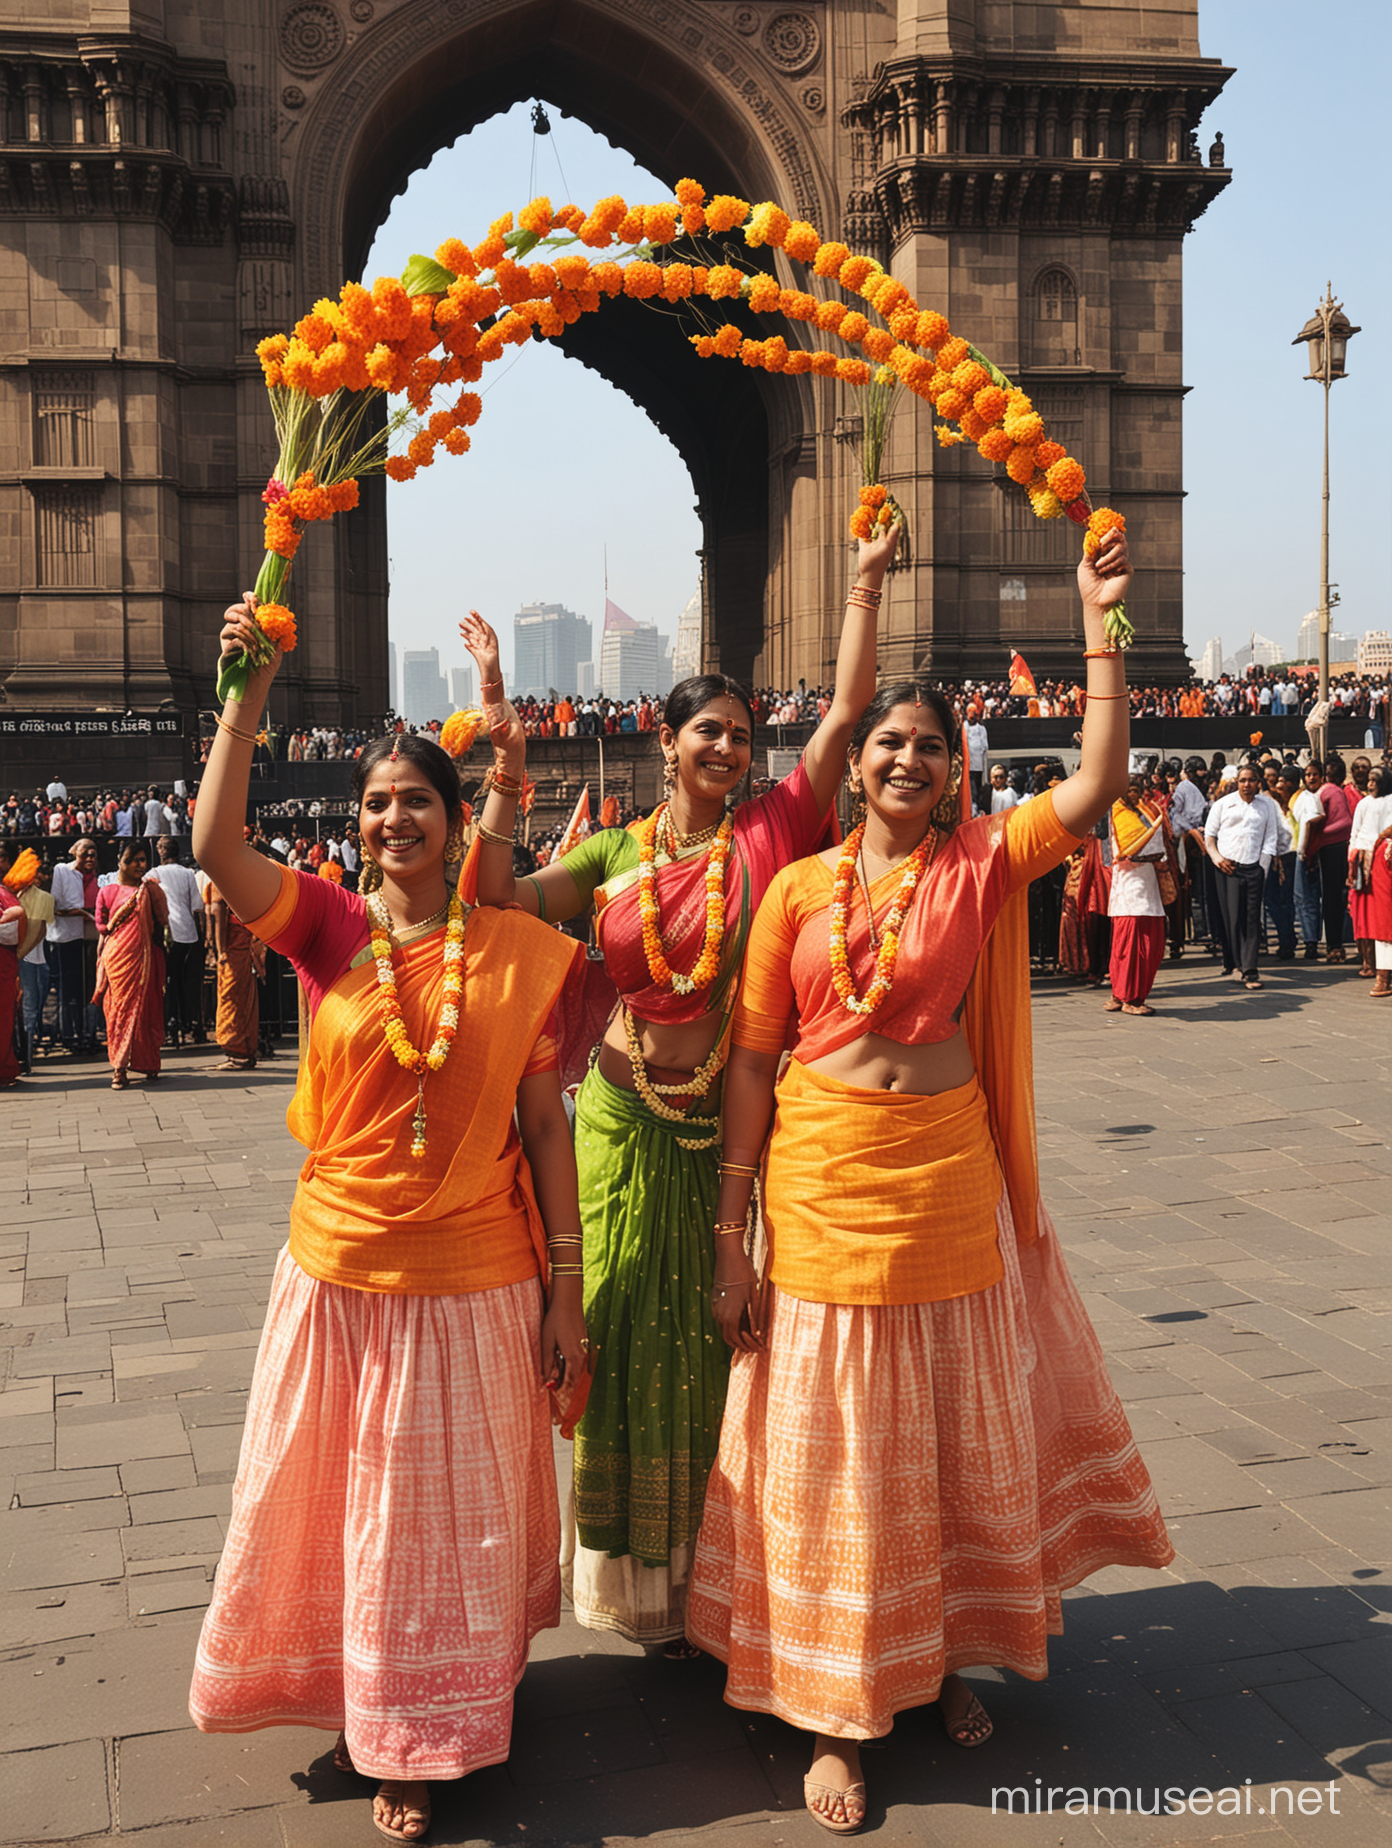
(535, 217)
(903, 322)
(315, 332)
(969, 377)
(659, 223)
(829, 259)
(597, 231)
(570, 218)
(281, 537)
(642, 281)
(421, 449)
(328, 371)
(751, 352)
(862, 523)
(588, 300)
(676, 282)
(1019, 464)
(855, 272)
(441, 423)
(456, 441)
(690, 192)
(630, 231)
(550, 320)
(853, 371)
(723, 281)
(724, 212)
(830, 315)
(775, 356)
(1066, 479)
(358, 311)
(995, 446)
(799, 361)
(608, 278)
(853, 328)
(703, 343)
(874, 495)
(886, 294)
(974, 425)
(277, 624)
(1049, 453)
(693, 220)
(802, 241)
(572, 272)
(393, 307)
(989, 403)
(459, 730)
(382, 367)
(933, 330)
(913, 368)
(1020, 401)
(727, 340)
(454, 254)
(343, 495)
(797, 305)
(768, 224)
(273, 347)
(952, 402)
(824, 364)
(399, 468)
(542, 279)
(763, 294)
(1024, 427)
(878, 344)
(513, 280)
(1103, 520)
(952, 352)
(492, 250)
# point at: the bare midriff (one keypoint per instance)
(670, 1052)
(874, 1063)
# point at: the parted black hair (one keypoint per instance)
(695, 693)
(905, 693)
(435, 765)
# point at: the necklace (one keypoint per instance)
(694, 1087)
(676, 841)
(707, 964)
(887, 951)
(389, 1002)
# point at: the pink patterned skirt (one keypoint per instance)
(904, 1491)
(395, 1530)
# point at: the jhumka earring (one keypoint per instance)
(371, 877)
(669, 774)
(454, 851)
(947, 811)
(859, 806)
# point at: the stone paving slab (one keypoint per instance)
(1220, 1176)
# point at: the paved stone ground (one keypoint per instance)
(1220, 1177)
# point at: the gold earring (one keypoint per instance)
(371, 876)
(669, 774)
(454, 843)
(947, 812)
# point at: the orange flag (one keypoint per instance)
(609, 812)
(578, 827)
(1021, 679)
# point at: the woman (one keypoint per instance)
(238, 1025)
(131, 914)
(1328, 846)
(1084, 924)
(921, 1449)
(12, 922)
(1136, 905)
(674, 897)
(395, 1530)
(1371, 843)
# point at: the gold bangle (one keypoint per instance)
(737, 1167)
(865, 590)
(567, 1270)
(1125, 693)
(484, 685)
(246, 737)
(492, 834)
(730, 1225)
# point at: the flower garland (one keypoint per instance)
(843, 884)
(707, 965)
(389, 1003)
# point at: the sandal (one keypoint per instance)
(1112, 1007)
(853, 1794)
(1136, 1007)
(343, 1758)
(1254, 984)
(234, 1065)
(392, 1791)
(119, 1081)
(677, 1649)
(972, 1726)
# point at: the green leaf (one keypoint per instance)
(233, 676)
(521, 243)
(424, 276)
(997, 376)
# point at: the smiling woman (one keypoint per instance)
(395, 1528)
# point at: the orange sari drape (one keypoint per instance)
(238, 1027)
(130, 985)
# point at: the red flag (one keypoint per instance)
(528, 793)
(578, 827)
(1021, 679)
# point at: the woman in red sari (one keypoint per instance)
(131, 915)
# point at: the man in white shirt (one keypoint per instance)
(977, 746)
(1280, 881)
(74, 933)
(348, 854)
(1242, 836)
(1003, 797)
(155, 823)
(183, 985)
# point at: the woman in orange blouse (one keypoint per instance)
(921, 1449)
(395, 1532)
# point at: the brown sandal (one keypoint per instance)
(410, 1812)
(343, 1758)
(852, 1793)
(966, 1729)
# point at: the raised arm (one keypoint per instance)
(825, 756)
(550, 894)
(247, 880)
(1101, 775)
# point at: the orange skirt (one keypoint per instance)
(906, 1491)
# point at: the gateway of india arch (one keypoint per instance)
(179, 178)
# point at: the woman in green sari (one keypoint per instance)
(673, 898)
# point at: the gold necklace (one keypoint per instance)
(677, 841)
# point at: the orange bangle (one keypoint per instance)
(1125, 693)
(1093, 654)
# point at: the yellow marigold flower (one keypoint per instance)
(1019, 464)
(1020, 402)
(723, 282)
(853, 329)
(1092, 545)
(727, 340)
(830, 315)
(676, 282)
(459, 731)
(877, 343)
(454, 254)
(829, 259)
(802, 241)
(724, 212)
(1046, 504)
(854, 271)
(1066, 479)
(797, 305)
(659, 223)
(969, 377)
(884, 375)
(933, 331)
(824, 364)
(947, 437)
(1026, 427)
(763, 294)
(995, 446)
(535, 217)
(989, 403)
(768, 224)
(952, 352)
(853, 371)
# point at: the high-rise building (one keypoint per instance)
(462, 687)
(424, 695)
(630, 658)
(549, 643)
(1375, 653)
(686, 651)
(1210, 663)
(1307, 642)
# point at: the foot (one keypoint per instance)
(833, 1790)
(234, 1065)
(401, 1811)
(679, 1650)
(1136, 1007)
(1112, 1007)
(119, 1081)
(965, 1720)
(1252, 982)
(1382, 986)
(343, 1758)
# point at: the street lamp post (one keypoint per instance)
(1326, 336)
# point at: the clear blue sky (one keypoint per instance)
(563, 463)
